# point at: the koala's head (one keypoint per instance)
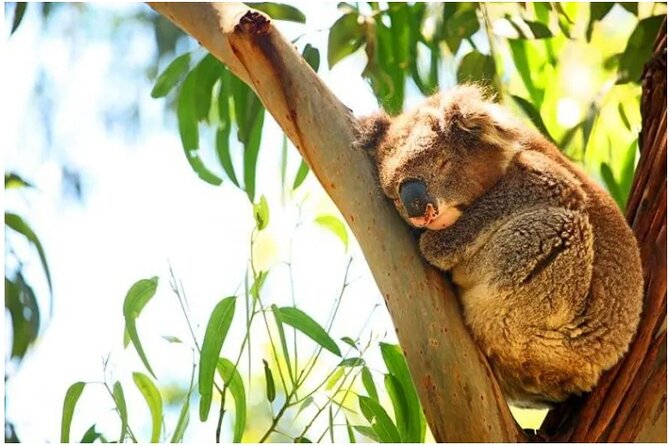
(438, 159)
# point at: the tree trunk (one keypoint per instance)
(630, 402)
(460, 396)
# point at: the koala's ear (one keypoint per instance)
(370, 130)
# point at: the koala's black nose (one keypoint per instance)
(414, 198)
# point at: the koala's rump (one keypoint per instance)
(525, 294)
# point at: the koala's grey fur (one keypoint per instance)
(547, 270)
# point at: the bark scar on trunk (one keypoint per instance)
(253, 23)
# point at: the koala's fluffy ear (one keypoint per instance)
(370, 130)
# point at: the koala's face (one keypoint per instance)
(437, 160)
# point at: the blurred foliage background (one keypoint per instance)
(571, 69)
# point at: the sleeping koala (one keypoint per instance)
(548, 272)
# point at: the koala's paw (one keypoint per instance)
(439, 249)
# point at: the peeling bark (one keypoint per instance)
(460, 396)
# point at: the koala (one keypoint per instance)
(547, 270)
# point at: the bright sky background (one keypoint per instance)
(143, 207)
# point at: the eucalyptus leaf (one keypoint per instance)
(298, 319)
(261, 213)
(71, 397)
(217, 329)
(301, 175)
(346, 36)
(368, 384)
(382, 424)
(335, 225)
(278, 318)
(19, 13)
(639, 49)
(139, 294)
(534, 115)
(397, 367)
(19, 225)
(334, 378)
(400, 407)
(14, 181)
(280, 11)
(170, 77)
(153, 400)
(233, 380)
(368, 432)
(270, 387)
(182, 422)
(312, 56)
(119, 401)
(476, 67)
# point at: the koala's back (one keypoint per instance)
(565, 272)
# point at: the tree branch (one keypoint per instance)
(461, 398)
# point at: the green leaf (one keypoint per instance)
(476, 67)
(534, 115)
(152, 396)
(301, 175)
(312, 56)
(331, 423)
(639, 49)
(368, 432)
(381, 422)
(349, 431)
(188, 126)
(623, 116)
(270, 388)
(296, 318)
(19, 225)
(188, 129)
(279, 11)
(172, 339)
(397, 367)
(346, 36)
(19, 12)
(182, 422)
(14, 181)
(23, 309)
(261, 213)
(233, 380)
(223, 152)
(521, 52)
(138, 296)
(598, 10)
(461, 26)
(523, 29)
(352, 362)
(258, 284)
(282, 338)
(171, 76)
(206, 72)
(334, 225)
(91, 435)
(627, 172)
(251, 150)
(400, 406)
(350, 342)
(334, 378)
(304, 405)
(368, 383)
(119, 401)
(217, 329)
(71, 397)
(630, 7)
(612, 185)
